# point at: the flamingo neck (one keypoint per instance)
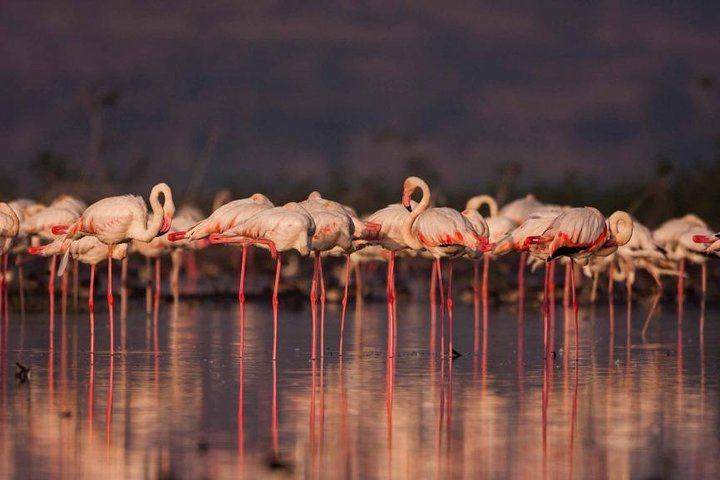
(621, 227)
(477, 202)
(162, 213)
(412, 184)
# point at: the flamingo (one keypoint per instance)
(519, 240)
(225, 218)
(668, 236)
(520, 210)
(64, 210)
(88, 250)
(9, 229)
(277, 229)
(23, 208)
(579, 233)
(185, 217)
(390, 238)
(444, 232)
(497, 227)
(119, 219)
(339, 231)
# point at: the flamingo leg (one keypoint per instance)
(241, 298)
(442, 307)
(546, 310)
(51, 284)
(241, 288)
(313, 305)
(157, 281)
(704, 279)
(76, 284)
(391, 302)
(148, 287)
(91, 308)
(486, 269)
(476, 304)
(358, 283)
(275, 302)
(575, 310)
(566, 287)
(433, 284)
(321, 280)
(111, 302)
(21, 281)
(680, 285)
(450, 311)
(176, 257)
(521, 280)
(344, 302)
(593, 290)
(63, 290)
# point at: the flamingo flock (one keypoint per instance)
(114, 227)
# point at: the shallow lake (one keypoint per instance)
(177, 401)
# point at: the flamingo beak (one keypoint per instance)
(701, 239)
(167, 221)
(406, 201)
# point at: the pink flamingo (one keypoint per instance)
(390, 238)
(9, 229)
(445, 233)
(88, 250)
(62, 211)
(337, 227)
(519, 239)
(668, 236)
(184, 218)
(277, 229)
(119, 219)
(223, 219)
(579, 233)
(496, 227)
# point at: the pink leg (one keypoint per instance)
(321, 279)
(450, 311)
(275, 303)
(476, 305)
(111, 302)
(681, 287)
(575, 310)
(704, 279)
(51, 287)
(76, 284)
(546, 309)
(157, 281)
(566, 288)
(241, 298)
(521, 280)
(486, 269)
(63, 290)
(433, 284)
(442, 307)
(91, 308)
(21, 281)
(313, 306)
(241, 288)
(391, 302)
(344, 302)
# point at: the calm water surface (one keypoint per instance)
(177, 401)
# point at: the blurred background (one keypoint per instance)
(609, 103)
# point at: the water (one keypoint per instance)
(178, 402)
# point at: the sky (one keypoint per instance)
(307, 91)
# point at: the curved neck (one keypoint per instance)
(159, 210)
(5, 208)
(621, 227)
(476, 203)
(412, 184)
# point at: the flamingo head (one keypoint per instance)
(167, 221)
(702, 239)
(176, 236)
(406, 200)
(36, 250)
